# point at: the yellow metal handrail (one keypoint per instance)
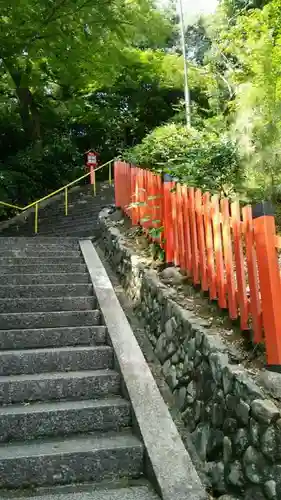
(57, 191)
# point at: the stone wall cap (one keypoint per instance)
(174, 472)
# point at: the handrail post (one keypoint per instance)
(66, 201)
(36, 219)
(269, 279)
(109, 174)
(94, 184)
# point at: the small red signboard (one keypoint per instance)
(92, 158)
(92, 163)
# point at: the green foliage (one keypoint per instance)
(74, 74)
(198, 158)
(49, 49)
(142, 97)
(34, 172)
(251, 52)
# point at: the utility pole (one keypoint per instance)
(186, 88)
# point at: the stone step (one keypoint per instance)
(43, 268)
(74, 216)
(76, 213)
(64, 359)
(42, 253)
(59, 290)
(69, 228)
(52, 337)
(58, 386)
(89, 233)
(62, 418)
(42, 279)
(20, 321)
(35, 261)
(82, 206)
(77, 459)
(93, 492)
(44, 243)
(47, 304)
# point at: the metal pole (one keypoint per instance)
(66, 201)
(186, 88)
(36, 219)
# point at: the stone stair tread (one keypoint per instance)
(50, 337)
(53, 386)
(31, 260)
(69, 445)
(51, 406)
(51, 358)
(100, 493)
(46, 304)
(44, 350)
(49, 278)
(43, 319)
(38, 243)
(23, 253)
(60, 268)
(48, 290)
(56, 375)
(28, 422)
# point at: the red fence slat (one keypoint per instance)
(240, 265)
(186, 229)
(233, 258)
(201, 239)
(211, 273)
(194, 240)
(228, 259)
(255, 303)
(216, 220)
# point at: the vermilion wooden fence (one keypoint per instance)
(228, 250)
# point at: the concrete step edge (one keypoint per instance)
(64, 359)
(75, 459)
(52, 337)
(71, 385)
(57, 406)
(101, 492)
(52, 319)
(47, 290)
(47, 304)
(47, 278)
(57, 375)
(72, 445)
(63, 418)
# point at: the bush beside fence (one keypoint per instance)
(231, 252)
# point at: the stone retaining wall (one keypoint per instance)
(235, 427)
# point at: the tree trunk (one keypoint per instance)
(29, 113)
(27, 107)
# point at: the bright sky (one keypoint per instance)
(197, 6)
(194, 7)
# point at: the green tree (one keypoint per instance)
(252, 50)
(51, 47)
(144, 95)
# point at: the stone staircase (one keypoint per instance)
(63, 417)
(82, 218)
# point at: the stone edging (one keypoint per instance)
(167, 461)
(234, 426)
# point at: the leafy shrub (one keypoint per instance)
(199, 158)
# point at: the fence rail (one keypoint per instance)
(230, 251)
